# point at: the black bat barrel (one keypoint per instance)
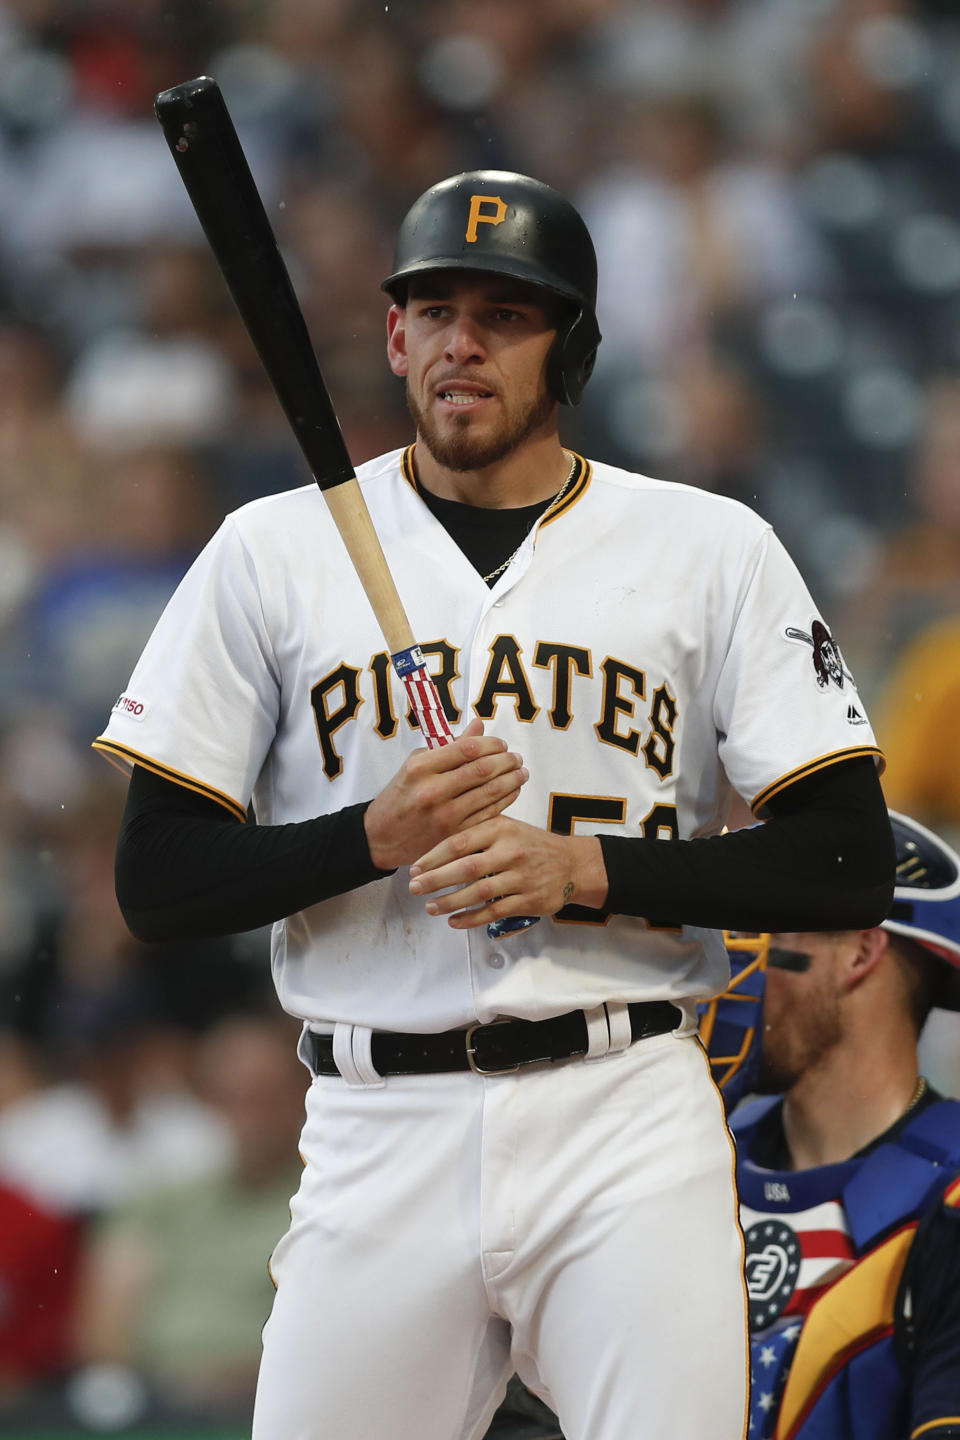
(208, 154)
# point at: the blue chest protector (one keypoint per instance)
(829, 1372)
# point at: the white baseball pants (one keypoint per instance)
(575, 1222)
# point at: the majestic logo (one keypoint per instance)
(771, 1269)
(478, 217)
(827, 660)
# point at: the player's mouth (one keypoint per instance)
(463, 397)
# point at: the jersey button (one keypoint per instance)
(496, 961)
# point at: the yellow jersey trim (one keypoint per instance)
(406, 467)
(934, 1425)
(851, 1315)
(578, 488)
(810, 768)
(582, 475)
(124, 759)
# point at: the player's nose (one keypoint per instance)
(465, 340)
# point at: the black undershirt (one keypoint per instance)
(186, 868)
(486, 537)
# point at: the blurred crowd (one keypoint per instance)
(774, 191)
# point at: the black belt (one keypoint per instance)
(495, 1049)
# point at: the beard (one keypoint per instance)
(787, 1053)
(460, 449)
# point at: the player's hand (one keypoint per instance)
(436, 793)
(506, 867)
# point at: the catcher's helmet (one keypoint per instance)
(925, 909)
(926, 899)
(507, 224)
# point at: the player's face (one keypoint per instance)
(473, 349)
(803, 1007)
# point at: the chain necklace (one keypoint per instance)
(921, 1087)
(553, 503)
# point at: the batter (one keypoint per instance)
(514, 1154)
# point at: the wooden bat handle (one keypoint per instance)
(352, 518)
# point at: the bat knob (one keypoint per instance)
(510, 925)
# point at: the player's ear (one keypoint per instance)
(864, 954)
(397, 339)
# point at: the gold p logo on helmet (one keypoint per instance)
(477, 216)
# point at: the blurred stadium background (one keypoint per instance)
(774, 189)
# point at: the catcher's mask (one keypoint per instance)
(731, 1025)
(502, 223)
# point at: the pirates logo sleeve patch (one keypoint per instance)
(828, 666)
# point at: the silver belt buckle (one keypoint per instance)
(471, 1050)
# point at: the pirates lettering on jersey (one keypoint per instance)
(381, 669)
(659, 748)
(623, 686)
(343, 683)
(625, 720)
(563, 661)
(506, 677)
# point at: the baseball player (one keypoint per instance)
(850, 1182)
(514, 1154)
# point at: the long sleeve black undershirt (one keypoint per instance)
(186, 869)
(823, 861)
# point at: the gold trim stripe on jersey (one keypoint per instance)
(810, 768)
(582, 477)
(124, 759)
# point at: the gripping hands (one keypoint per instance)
(439, 793)
(442, 814)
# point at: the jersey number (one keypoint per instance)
(566, 810)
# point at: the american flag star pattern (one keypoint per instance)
(770, 1360)
(791, 1257)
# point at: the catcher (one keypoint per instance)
(849, 1164)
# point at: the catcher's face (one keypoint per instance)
(803, 1007)
(473, 349)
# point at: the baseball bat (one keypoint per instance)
(207, 152)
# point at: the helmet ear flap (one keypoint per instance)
(572, 358)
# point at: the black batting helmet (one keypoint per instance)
(507, 224)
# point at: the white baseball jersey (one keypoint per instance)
(649, 647)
